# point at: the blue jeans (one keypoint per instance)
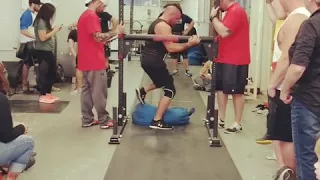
(16, 153)
(305, 127)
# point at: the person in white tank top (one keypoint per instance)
(279, 119)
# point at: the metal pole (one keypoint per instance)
(213, 120)
(121, 57)
(131, 16)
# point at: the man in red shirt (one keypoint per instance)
(92, 63)
(233, 59)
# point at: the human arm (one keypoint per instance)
(72, 39)
(72, 48)
(190, 23)
(25, 23)
(275, 10)
(205, 68)
(164, 29)
(289, 32)
(93, 27)
(7, 132)
(43, 33)
(305, 45)
(114, 22)
(230, 24)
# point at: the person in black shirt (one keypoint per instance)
(105, 19)
(179, 29)
(302, 81)
(16, 149)
(152, 62)
(72, 40)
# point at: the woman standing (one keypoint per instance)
(44, 50)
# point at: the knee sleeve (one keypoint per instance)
(169, 91)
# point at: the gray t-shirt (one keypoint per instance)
(39, 45)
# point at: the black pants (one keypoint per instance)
(47, 70)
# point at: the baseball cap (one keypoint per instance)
(104, 2)
(35, 2)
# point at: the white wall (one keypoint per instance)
(9, 29)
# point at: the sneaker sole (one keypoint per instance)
(139, 96)
(105, 127)
(156, 127)
(287, 174)
(89, 125)
(228, 132)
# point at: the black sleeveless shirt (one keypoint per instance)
(154, 53)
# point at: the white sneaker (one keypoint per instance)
(76, 91)
(234, 128)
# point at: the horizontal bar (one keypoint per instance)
(172, 38)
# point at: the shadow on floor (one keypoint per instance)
(33, 106)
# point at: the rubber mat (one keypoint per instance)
(179, 154)
(32, 106)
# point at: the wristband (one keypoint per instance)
(212, 17)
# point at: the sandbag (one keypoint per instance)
(143, 115)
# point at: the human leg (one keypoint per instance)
(86, 101)
(17, 154)
(44, 76)
(78, 79)
(221, 97)
(99, 94)
(175, 58)
(186, 64)
(279, 131)
(199, 83)
(25, 73)
(305, 127)
(162, 79)
(142, 92)
(234, 83)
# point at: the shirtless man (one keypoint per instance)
(277, 16)
(279, 118)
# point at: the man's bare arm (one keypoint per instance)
(289, 33)
(114, 22)
(190, 26)
(27, 33)
(164, 29)
(72, 49)
(103, 37)
(221, 29)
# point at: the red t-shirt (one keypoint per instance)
(90, 52)
(235, 49)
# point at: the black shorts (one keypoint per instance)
(29, 54)
(160, 76)
(184, 54)
(279, 119)
(231, 79)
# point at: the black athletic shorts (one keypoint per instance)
(160, 76)
(184, 54)
(279, 119)
(231, 79)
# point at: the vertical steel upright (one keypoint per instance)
(121, 57)
(131, 16)
(212, 113)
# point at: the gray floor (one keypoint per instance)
(182, 153)
(68, 152)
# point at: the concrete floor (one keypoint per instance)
(68, 152)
